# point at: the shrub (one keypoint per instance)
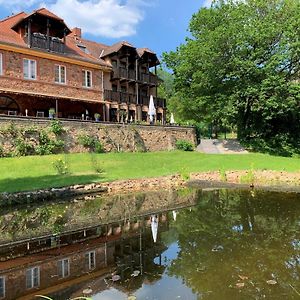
(23, 148)
(61, 166)
(47, 146)
(184, 145)
(91, 142)
(2, 154)
(96, 164)
(56, 127)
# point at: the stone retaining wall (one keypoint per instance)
(114, 137)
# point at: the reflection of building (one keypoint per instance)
(85, 252)
(45, 65)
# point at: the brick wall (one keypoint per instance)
(113, 136)
(15, 279)
(12, 78)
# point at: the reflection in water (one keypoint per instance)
(154, 227)
(231, 244)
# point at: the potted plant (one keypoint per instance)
(51, 113)
(97, 117)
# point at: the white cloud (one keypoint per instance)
(17, 5)
(107, 18)
(207, 3)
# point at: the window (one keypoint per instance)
(29, 69)
(90, 260)
(63, 268)
(32, 277)
(86, 78)
(1, 65)
(2, 287)
(60, 74)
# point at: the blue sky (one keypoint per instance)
(160, 25)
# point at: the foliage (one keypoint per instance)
(2, 154)
(241, 68)
(97, 116)
(91, 142)
(184, 145)
(47, 146)
(11, 129)
(56, 127)
(96, 164)
(22, 148)
(223, 175)
(60, 166)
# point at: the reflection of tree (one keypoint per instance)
(231, 233)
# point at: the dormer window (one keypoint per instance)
(82, 48)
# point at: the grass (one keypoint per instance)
(37, 172)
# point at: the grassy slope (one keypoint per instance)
(33, 172)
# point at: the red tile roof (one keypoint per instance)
(116, 47)
(10, 36)
(47, 13)
(89, 50)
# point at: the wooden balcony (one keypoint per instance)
(123, 97)
(123, 73)
(120, 97)
(41, 41)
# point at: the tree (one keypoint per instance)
(241, 67)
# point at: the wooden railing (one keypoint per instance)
(129, 74)
(123, 97)
(41, 41)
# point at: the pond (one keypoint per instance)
(187, 244)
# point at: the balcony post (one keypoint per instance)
(118, 66)
(48, 34)
(29, 33)
(136, 82)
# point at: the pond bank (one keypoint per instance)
(271, 180)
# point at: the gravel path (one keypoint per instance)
(214, 146)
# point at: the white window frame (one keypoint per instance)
(59, 74)
(29, 70)
(85, 83)
(91, 264)
(2, 278)
(1, 64)
(31, 280)
(62, 262)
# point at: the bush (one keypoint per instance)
(91, 142)
(56, 127)
(47, 146)
(23, 148)
(61, 167)
(184, 145)
(2, 154)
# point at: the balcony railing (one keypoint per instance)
(123, 73)
(123, 97)
(41, 41)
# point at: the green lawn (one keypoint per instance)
(34, 172)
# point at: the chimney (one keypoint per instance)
(77, 32)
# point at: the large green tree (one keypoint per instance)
(240, 66)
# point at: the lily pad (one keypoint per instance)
(135, 273)
(271, 282)
(87, 291)
(116, 278)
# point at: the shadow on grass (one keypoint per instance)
(11, 185)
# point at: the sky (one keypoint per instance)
(160, 25)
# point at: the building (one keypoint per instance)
(45, 67)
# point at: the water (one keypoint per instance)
(218, 244)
